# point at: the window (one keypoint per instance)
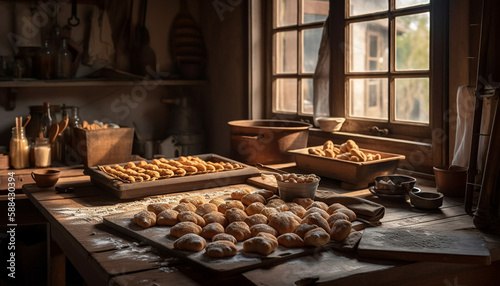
(296, 34)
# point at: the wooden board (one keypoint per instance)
(420, 245)
(160, 238)
(174, 184)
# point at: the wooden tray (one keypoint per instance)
(174, 184)
(159, 237)
(353, 175)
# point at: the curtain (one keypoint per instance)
(321, 77)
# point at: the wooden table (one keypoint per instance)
(104, 256)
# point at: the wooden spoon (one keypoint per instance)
(53, 132)
(28, 118)
(63, 125)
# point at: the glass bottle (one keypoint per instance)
(45, 121)
(46, 61)
(64, 61)
(19, 149)
(75, 119)
(42, 153)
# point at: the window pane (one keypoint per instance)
(286, 95)
(361, 7)
(368, 98)
(314, 10)
(286, 12)
(412, 99)
(285, 52)
(307, 96)
(311, 38)
(408, 3)
(412, 42)
(369, 46)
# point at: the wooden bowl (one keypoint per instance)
(394, 184)
(45, 178)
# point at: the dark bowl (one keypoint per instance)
(394, 184)
(426, 200)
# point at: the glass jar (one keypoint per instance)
(42, 153)
(19, 149)
(64, 61)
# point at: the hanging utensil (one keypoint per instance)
(28, 118)
(73, 20)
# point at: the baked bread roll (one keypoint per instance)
(265, 193)
(330, 153)
(216, 217)
(348, 212)
(282, 222)
(224, 236)
(336, 216)
(239, 193)
(256, 219)
(298, 210)
(259, 245)
(222, 208)
(195, 200)
(184, 207)
(304, 202)
(293, 216)
(252, 198)
(335, 206)
(211, 229)
(185, 227)
(205, 208)
(167, 218)
(303, 228)
(217, 201)
(221, 248)
(192, 217)
(145, 219)
(235, 214)
(267, 211)
(239, 230)
(254, 208)
(159, 207)
(322, 212)
(358, 154)
(190, 242)
(275, 203)
(316, 237)
(328, 145)
(268, 236)
(318, 204)
(290, 240)
(340, 229)
(255, 229)
(316, 219)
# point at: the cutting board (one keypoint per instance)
(420, 245)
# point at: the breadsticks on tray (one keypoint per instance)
(348, 151)
(162, 168)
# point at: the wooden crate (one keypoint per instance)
(104, 146)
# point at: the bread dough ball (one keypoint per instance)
(216, 217)
(290, 240)
(205, 208)
(252, 198)
(336, 216)
(239, 229)
(212, 229)
(222, 208)
(255, 229)
(255, 208)
(298, 210)
(190, 242)
(167, 218)
(239, 193)
(335, 206)
(259, 245)
(282, 222)
(304, 202)
(145, 219)
(217, 201)
(235, 214)
(320, 211)
(256, 219)
(316, 219)
(340, 229)
(265, 193)
(159, 207)
(221, 248)
(224, 236)
(316, 237)
(303, 228)
(349, 213)
(191, 216)
(195, 200)
(185, 227)
(184, 207)
(318, 204)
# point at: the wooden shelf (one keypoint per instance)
(96, 82)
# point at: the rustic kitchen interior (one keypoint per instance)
(279, 142)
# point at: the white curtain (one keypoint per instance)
(321, 78)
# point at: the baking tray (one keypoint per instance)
(125, 190)
(159, 237)
(353, 175)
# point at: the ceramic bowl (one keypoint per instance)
(45, 178)
(394, 184)
(330, 124)
(426, 200)
(289, 191)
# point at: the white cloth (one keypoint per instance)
(101, 48)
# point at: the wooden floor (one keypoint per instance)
(104, 256)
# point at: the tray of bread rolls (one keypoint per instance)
(250, 229)
(162, 176)
(355, 167)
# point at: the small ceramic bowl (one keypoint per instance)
(289, 191)
(330, 124)
(394, 184)
(45, 178)
(426, 200)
